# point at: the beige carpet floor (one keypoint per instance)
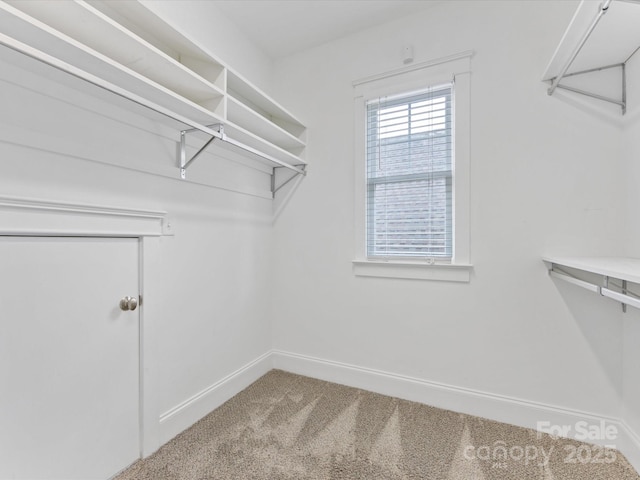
(286, 426)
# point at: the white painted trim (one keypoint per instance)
(150, 273)
(629, 445)
(414, 67)
(496, 407)
(28, 216)
(414, 271)
(182, 416)
(456, 68)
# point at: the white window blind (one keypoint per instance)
(409, 174)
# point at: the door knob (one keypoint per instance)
(128, 303)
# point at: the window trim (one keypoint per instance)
(407, 79)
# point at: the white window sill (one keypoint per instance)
(413, 270)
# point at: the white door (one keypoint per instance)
(69, 357)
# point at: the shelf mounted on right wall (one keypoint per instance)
(617, 278)
(592, 56)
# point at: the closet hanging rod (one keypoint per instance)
(560, 275)
(219, 133)
(620, 297)
(299, 169)
(624, 298)
(594, 95)
(601, 11)
(63, 66)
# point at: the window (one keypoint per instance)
(409, 175)
(412, 172)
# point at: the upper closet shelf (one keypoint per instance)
(124, 48)
(616, 273)
(603, 35)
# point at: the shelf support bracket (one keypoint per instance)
(275, 188)
(555, 81)
(622, 103)
(184, 163)
(563, 73)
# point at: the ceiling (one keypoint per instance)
(284, 27)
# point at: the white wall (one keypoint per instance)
(545, 178)
(632, 230)
(207, 305)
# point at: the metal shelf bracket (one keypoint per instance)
(623, 73)
(184, 163)
(275, 188)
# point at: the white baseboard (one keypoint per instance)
(182, 416)
(500, 408)
(629, 445)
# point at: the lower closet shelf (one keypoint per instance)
(615, 272)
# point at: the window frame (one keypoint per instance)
(456, 68)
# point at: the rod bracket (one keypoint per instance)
(622, 103)
(274, 187)
(184, 163)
